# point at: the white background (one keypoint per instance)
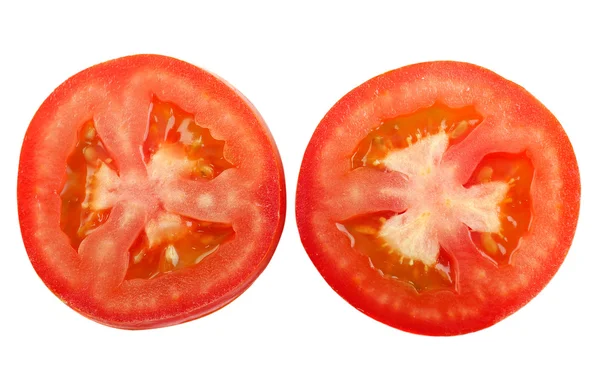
(294, 62)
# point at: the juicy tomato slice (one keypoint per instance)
(438, 198)
(150, 192)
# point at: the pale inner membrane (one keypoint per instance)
(437, 201)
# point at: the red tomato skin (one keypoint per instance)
(26, 183)
(309, 194)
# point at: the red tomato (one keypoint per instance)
(438, 198)
(150, 192)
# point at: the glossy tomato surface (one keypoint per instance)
(150, 192)
(438, 198)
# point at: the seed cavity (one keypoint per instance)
(391, 263)
(410, 129)
(514, 210)
(177, 146)
(172, 242)
(87, 194)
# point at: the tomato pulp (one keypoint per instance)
(150, 192)
(438, 198)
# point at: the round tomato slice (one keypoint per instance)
(150, 192)
(438, 198)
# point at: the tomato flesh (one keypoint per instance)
(438, 198)
(161, 219)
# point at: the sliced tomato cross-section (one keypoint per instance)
(438, 198)
(150, 192)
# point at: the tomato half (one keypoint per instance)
(150, 192)
(438, 198)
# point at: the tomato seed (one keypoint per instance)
(90, 154)
(171, 255)
(490, 246)
(90, 134)
(138, 257)
(485, 174)
(365, 229)
(460, 129)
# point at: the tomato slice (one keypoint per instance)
(150, 192)
(438, 198)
